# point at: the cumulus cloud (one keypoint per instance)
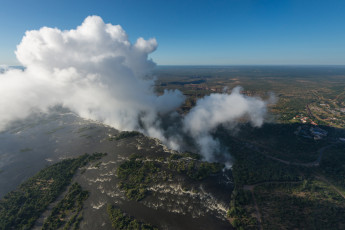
(93, 70)
(96, 72)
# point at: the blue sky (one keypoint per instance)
(229, 32)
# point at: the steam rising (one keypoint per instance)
(216, 109)
(96, 72)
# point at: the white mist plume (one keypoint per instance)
(216, 109)
(3, 68)
(93, 70)
(97, 73)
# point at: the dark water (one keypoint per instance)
(30, 146)
(171, 204)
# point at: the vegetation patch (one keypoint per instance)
(122, 221)
(67, 214)
(309, 205)
(241, 213)
(21, 208)
(137, 173)
(26, 150)
(252, 167)
(333, 164)
(124, 134)
(195, 169)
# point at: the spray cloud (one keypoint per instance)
(216, 109)
(96, 72)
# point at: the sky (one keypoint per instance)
(230, 32)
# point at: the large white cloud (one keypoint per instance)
(93, 70)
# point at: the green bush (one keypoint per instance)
(121, 221)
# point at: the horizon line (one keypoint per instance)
(230, 65)
(226, 65)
